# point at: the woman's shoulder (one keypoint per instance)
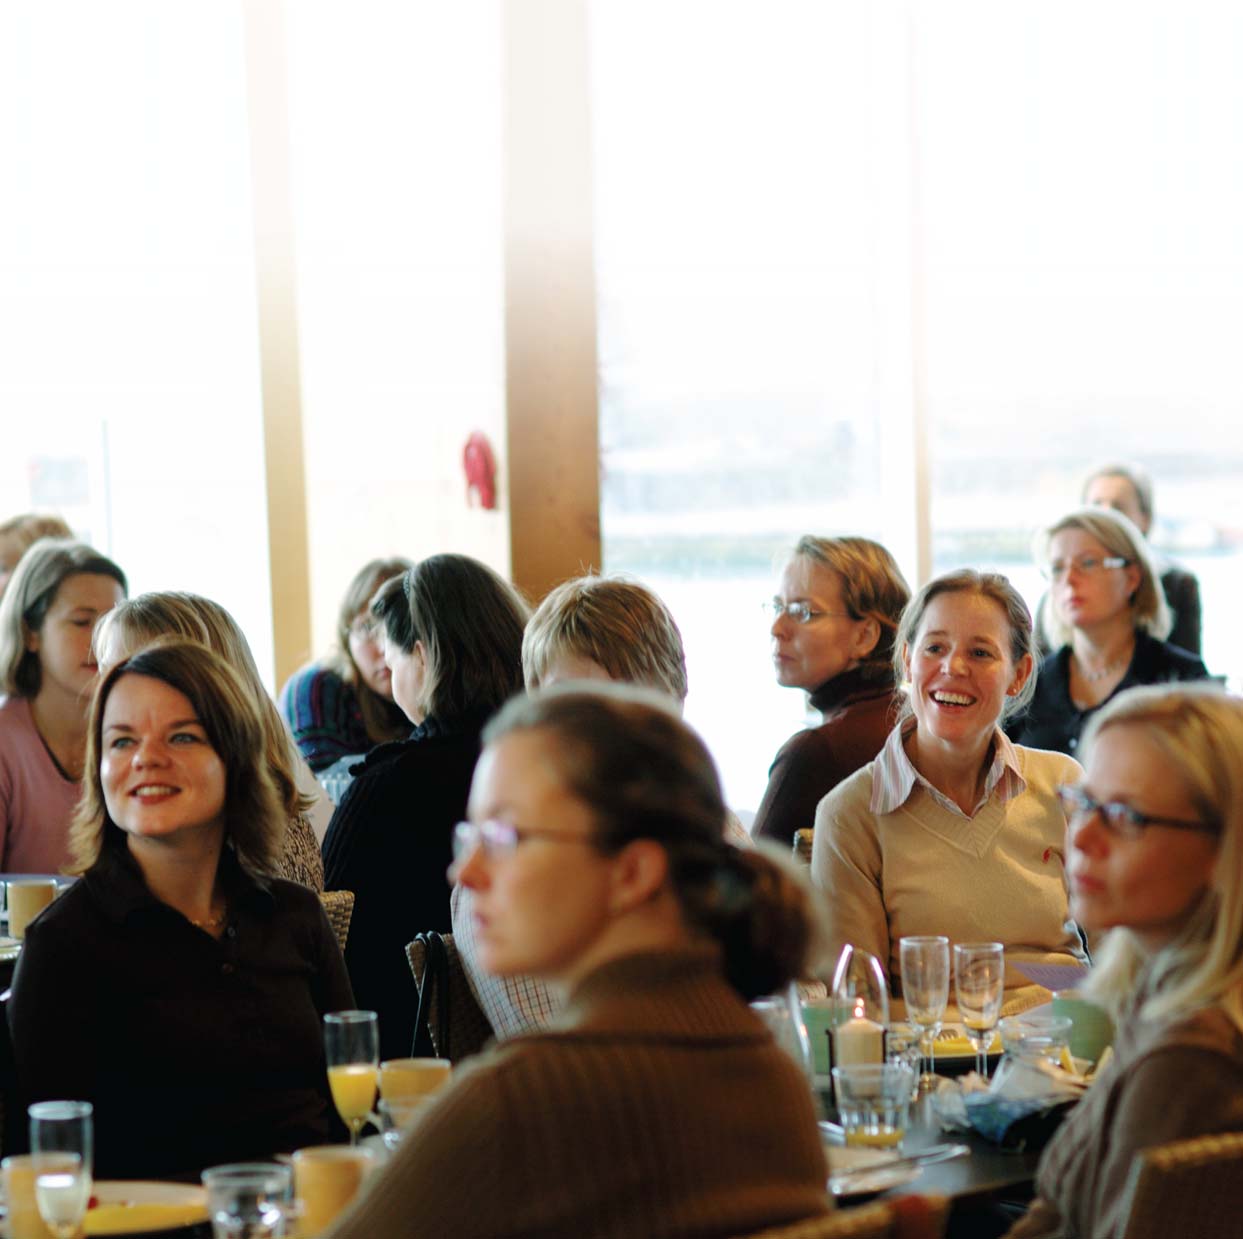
(1046, 768)
(1208, 1030)
(315, 681)
(1164, 661)
(851, 797)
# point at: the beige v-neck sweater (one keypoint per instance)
(923, 869)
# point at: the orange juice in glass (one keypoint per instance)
(352, 1048)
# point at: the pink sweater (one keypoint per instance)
(36, 800)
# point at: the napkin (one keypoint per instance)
(1020, 1109)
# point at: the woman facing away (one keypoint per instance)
(137, 622)
(47, 671)
(952, 829)
(178, 986)
(1156, 836)
(836, 611)
(657, 1104)
(343, 707)
(453, 639)
(1106, 627)
(19, 533)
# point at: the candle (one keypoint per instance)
(858, 1040)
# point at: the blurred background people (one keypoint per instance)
(1107, 619)
(340, 708)
(453, 640)
(137, 622)
(1156, 865)
(180, 986)
(20, 532)
(47, 672)
(952, 829)
(658, 1103)
(836, 610)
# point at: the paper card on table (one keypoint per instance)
(1053, 976)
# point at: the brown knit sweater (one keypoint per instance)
(658, 1105)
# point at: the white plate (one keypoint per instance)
(870, 1182)
(10, 949)
(155, 1207)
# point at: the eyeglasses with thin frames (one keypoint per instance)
(500, 839)
(801, 612)
(1121, 820)
(1084, 565)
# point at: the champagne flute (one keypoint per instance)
(62, 1139)
(926, 990)
(352, 1047)
(979, 984)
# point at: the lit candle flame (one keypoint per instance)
(859, 1007)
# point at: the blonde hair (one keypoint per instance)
(254, 818)
(873, 587)
(30, 594)
(996, 588)
(22, 532)
(1119, 536)
(615, 622)
(1199, 730)
(150, 617)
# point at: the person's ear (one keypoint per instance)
(31, 638)
(640, 871)
(867, 635)
(1022, 673)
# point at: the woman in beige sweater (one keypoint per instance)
(1156, 836)
(952, 829)
(657, 1104)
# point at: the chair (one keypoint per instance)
(467, 1029)
(802, 844)
(907, 1217)
(1189, 1187)
(339, 907)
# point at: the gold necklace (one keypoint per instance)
(212, 922)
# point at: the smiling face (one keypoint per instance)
(162, 780)
(808, 655)
(961, 669)
(63, 641)
(1086, 599)
(542, 908)
(1150, 884)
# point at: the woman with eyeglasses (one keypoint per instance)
(343, 707)
(1106, 627)
(453, 640)
(834, 617)
(657, 1104)
(1156, 865)
(953, 830)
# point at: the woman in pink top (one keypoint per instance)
(47, 671)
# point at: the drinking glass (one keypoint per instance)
(873, 1102)
(352, 1046)
(783, 1014)
(62, 1139)
(979, 983)
(904, 1046)
(926, 989)
(248, 1200)
(1031, 1036)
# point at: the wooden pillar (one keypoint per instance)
(288, 557)
(550, 302)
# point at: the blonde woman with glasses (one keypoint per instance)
(1106, 626)
(1156, 865)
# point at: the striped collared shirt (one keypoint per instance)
(894, 777)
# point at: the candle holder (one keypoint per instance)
(860, 989)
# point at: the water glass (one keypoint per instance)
(979, 985)
(62, 1142)
(873, 1102)
(248, 1200)
(1033, 1037)
(926, 989)
(397, 1114)
(904, 1047)
(783, 1014)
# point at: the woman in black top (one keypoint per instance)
(178, 986)
(1106, 625)
(453, 639)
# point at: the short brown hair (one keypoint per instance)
(31, 591)
(990, 585)
(644, 774)
(254, 817)
(615, 622)
(470, 621)
(873, 587)
(1116, 533)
